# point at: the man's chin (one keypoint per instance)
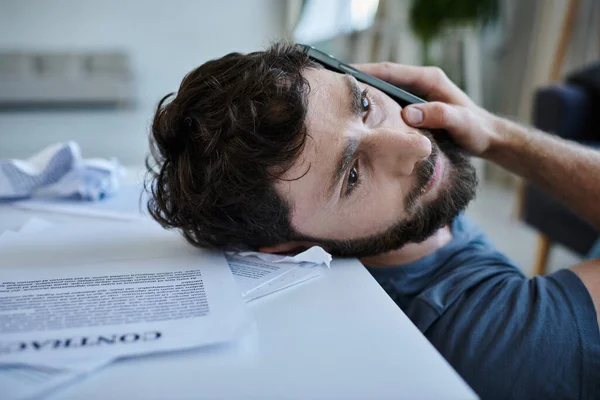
(411, 251)
(400, 235)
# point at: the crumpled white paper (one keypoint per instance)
(60, 171)
(315, 255)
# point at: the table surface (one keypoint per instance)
(335, 337)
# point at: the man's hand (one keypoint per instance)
(449, 108)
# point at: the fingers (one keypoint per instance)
(429, 82)
(471, 128)
(436, 115)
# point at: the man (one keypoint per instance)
(270, 151)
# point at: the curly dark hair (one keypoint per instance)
(235, 126)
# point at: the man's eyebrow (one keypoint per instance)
(356, 107)
(343, 163)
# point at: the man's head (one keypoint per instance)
(269, 150)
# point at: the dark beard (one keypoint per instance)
(424, 219)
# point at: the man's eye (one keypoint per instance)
(364, 101)
(352, 178)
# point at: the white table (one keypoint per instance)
(336, 337)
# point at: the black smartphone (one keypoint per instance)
(331, 63)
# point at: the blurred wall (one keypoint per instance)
(165, 40)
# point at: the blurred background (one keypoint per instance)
(93, 72)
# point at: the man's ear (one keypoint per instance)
(287, 248)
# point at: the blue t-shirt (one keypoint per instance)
(508, 336)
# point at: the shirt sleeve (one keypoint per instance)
(513, 337)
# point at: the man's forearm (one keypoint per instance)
(567, 170)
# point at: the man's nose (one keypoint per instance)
(402, 150)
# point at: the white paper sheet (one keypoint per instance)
(257, 278)
(251, 274)
(28, 382)
(34, 225)
(129, 203)
(291, 278)
(68, 294)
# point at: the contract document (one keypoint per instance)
(70, 294)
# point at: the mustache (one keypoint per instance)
(424, 172)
